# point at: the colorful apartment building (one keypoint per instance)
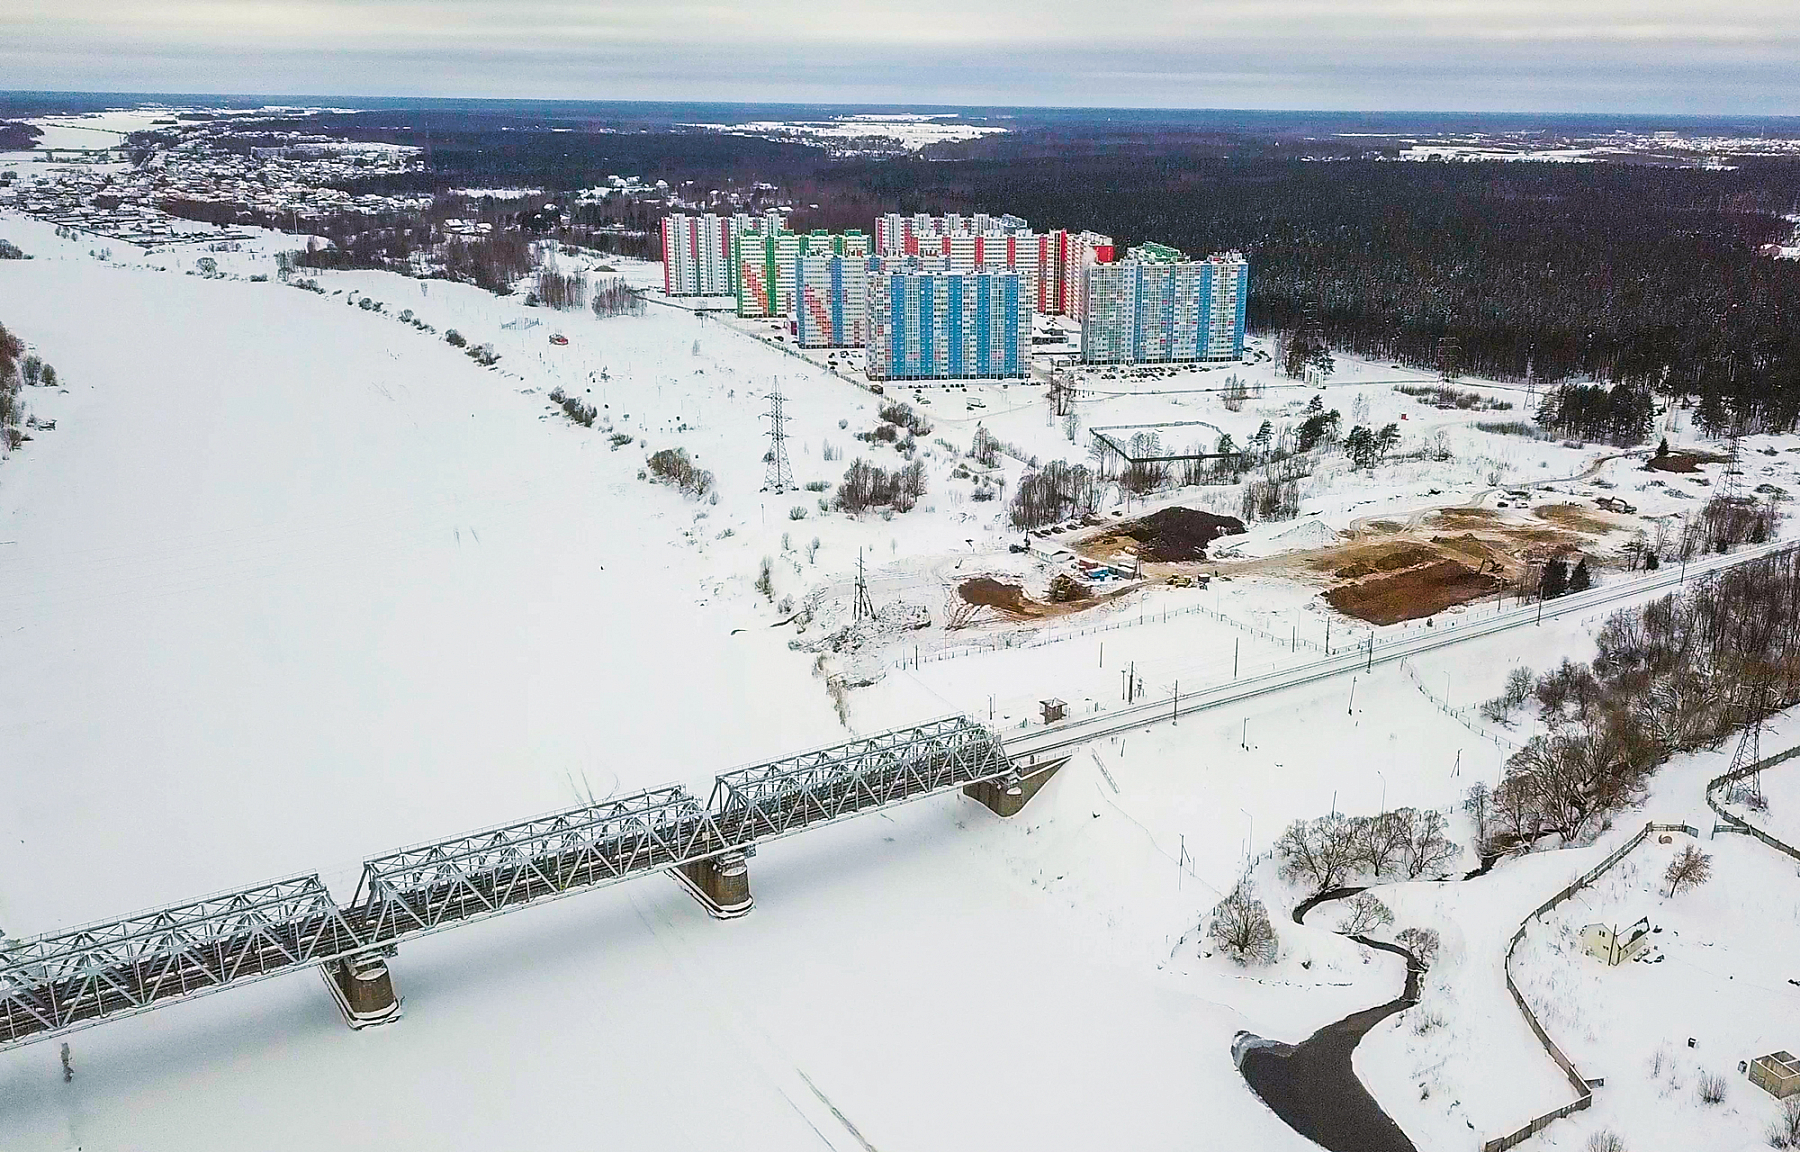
(696, 253)
(946, 325)
(1156, 306)
(765, 262)
(831, 301)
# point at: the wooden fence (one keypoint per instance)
(1733, 823)
(1584, 1089)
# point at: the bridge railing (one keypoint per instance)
(432, 886)
(795, 792)
(72, 979)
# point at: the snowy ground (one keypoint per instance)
(293, 582)
(1725, 981)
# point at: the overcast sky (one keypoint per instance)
(1726, 56)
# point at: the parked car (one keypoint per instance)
(559, 338)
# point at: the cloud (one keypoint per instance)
(1531, 55)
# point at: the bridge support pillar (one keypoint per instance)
(1006, 795)
(721, 884)
(363, 988)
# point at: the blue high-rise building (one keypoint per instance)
(1157, 306)
(938, 325)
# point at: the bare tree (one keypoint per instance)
(1478, 803)
(1240, 926)
(1319, 852)
(1427, 849)
(1381, 841)
(1689, 869)
(1364, 914)
(1421, 942)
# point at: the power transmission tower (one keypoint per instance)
(863, 609)
(779, 477)
(1749, 750)
(1728, 491)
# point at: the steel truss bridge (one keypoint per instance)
(65, 981)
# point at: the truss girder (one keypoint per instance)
(786, 795)
(68, 980)
(432, 886)
(65, 980)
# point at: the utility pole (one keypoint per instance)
(1235, 641)
(863, 609)
(778, 477)
(1351, 711)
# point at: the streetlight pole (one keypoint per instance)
(1383, 776)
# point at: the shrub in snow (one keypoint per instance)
(454, 339)
(1710, 1088)
(797, 512)
(1240, 926)
(1785, 1131)
(1605, 1140)
(765, 582)
(866, 486)
(904, 416)
(1519, 682)
(672, 465)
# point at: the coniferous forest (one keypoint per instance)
(1613, 273)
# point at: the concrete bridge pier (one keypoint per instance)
(1007, 794)
(363, 988)
(721, 883)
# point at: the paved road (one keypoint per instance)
(1082, 729)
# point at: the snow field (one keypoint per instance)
(293, 583)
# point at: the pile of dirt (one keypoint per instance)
(1466, 517)
(987, 592)
(1391, 560)
(1411, 593)
(1174, 535)
(1575, 516)
(1682, 461)
(1068, 595)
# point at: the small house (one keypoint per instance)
(1778, 1074)
(1611, 946)
(1054, 710)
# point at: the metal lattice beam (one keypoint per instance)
(433, 886)
(64, 981)
(796, 792)
(69, 980)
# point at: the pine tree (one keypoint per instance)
(1556, 579)
(1581, 580)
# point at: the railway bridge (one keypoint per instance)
(62, 982)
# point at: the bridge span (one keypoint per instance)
(65, 981)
